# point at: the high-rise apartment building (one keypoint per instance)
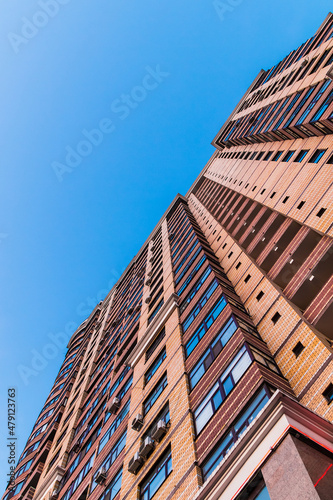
(206, 373)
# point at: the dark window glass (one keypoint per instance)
(156, 476)
(78, 480)
(264, 359)
(155, 393)
(212, 352)
(205, 325)
(194, 290)
(220, 390)
(111, 457)
(113, 488)
(155, 366)
(313, 102)
(119, 379)
(328, 393)
(200, 304)
(317, 155)
(277, 155)
(188, 265)
(153, 314)
(234, 433)
(288, 156)
(155, 344)
(114, 426)
(298, 349)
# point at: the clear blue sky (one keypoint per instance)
(65, 238)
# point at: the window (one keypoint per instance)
(328, 393)
(155, 299)
(15, 491)
(156, 476)
(83, 452)
(298, 349)
(186, 256)
(29, 450)
(288, 155)
(113, 488)
(247, 279)
(194, 290)
(119, 379)
(264, 359)
(155, 393)
(317, 155)
(155, 366)
(78, 480)
(277, 155)
(212, 352)
(301, 155)
(260, 155)
(286, 199)
(188, 265)
(262, 192)
(114, 426)
(300, 205)
(153, 314)
(313, 102)
(205, 325)
(164, 414)
(298, 107)
(201, 302)
(319, 113)
(111, 457)
(260, 295)
(276, 317)
(273, 194)
(267, 157)
(224, 245)
(222, 388)
(39, 431)
(238, 265)
(155, 344)
(24, 468)
(234, 432)
(321, 212)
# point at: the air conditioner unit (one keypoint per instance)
(138, 308)
(148, 299)
(146, 447)
(137, 423)
(76, 448)
(148, 282)
(55, 493)
(152, 248)
(113, 406)
(159, 430)
(150, 273)
(151, 259)
(304, 63)
(135, 463)
(101, 476)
